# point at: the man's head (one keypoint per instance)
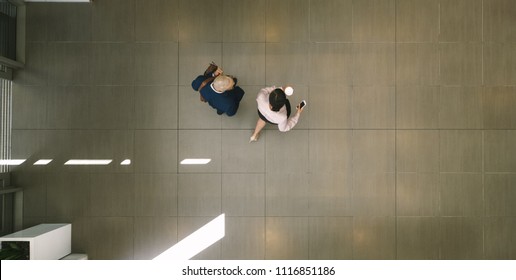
(223, 83)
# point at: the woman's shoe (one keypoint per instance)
(253, 138)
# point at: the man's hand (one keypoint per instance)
(217, 72)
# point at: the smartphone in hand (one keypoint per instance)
(302, 104)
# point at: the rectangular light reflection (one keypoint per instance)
(195, 160)
(196, 242)
(11, 161)
(43, 162)
(88, 162)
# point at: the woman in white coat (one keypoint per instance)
(274, 108)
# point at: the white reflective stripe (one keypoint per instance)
(195, 160)
(196, 242)
(88, 162)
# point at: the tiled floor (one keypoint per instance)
(406, 150)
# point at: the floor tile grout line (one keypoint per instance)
(395, 134)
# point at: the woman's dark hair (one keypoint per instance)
(277, 99)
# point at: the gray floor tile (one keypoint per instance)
(111, 195)
(243, 194)
(498, 18)
(41, 144)
(35, 185)
(462, 194)
(461, 238)
(30, 221)
(111, 107)
(461, 107)
(331, 21)
(112, 64)
(374, 64)
(194, 114)
(460, 151)
(239, 156)
(291, 28)
(374, 238)
(199, 195)
(287, 194)
(374, 107)
(461, 63)
(417, 107)
(155, 195)
(25, 142)
(374, 194)
(111, 238)
(247, 21)
(417, 151)
(286, 238)
(36, 64)
(330, 194)
(499, 64)
(200, 144)
(331, 63)
(244, 239)
(417, 21)
(330, 151)
(188, 225)
(374, 21)
(500, 194)
(498, 111)
(417, 64)
(153, 236)
(196, 16)
(70, 22)
(155, 63)
(247, 114)
(286, 152)
(373, 151)
(461, 20)
(66, 195)
(69, 63)
(331, 107)
(156, 20)
(156, 107)
(155, 151)
(287, 64)
(68, 107)
(36, 21)
(500, 151)
(113, 20)
(418, 238)
(194, 58)
(246, 61)
(100, 144)
(330, 238)
(500, 238)
(34, 97)
(417, 194)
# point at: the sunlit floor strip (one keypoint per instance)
(88, 162)
(43, 162)
(196, 161)
(196, 242)
(11, 161)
